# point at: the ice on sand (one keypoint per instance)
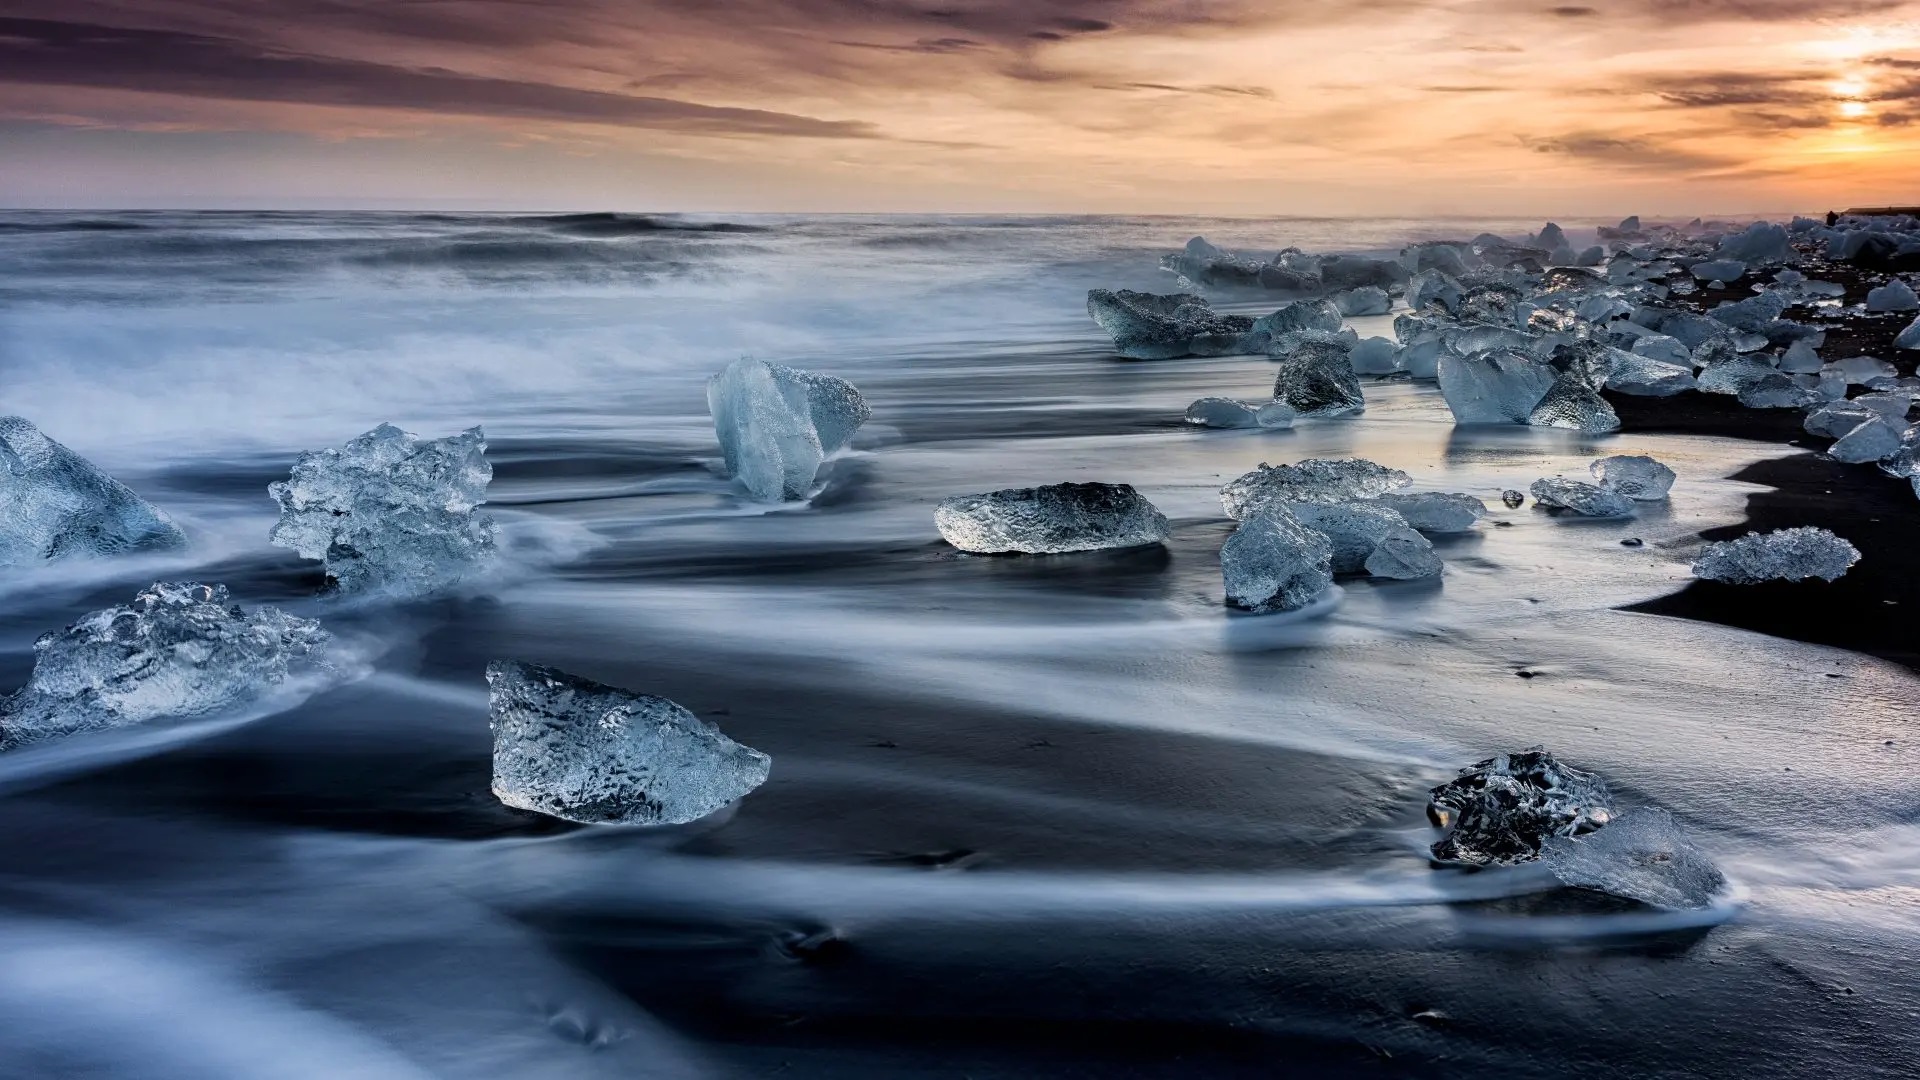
(1274, 563)
(1370, 538)
(1050, 520)
(178, 650)
(1314, 480)
(1871, 440)
(54, 503)
(1895, 295)
(778, 424)
(1643, 376)
(577, 750)
(1433, 511)
(1219, 412)
(390, 511)
(1785, 555)
(1641, 855)
(1365, 300)
(1315, 376)
(1587, 500)
(1301, 315)
(1572, 403)
(1500, 811)
(1150, 326)
(1636, 476)
(1500, 387)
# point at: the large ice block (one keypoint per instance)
(778, 424)
(1314, 480)
(1783, 555)
(1049, 520)
(1274, 563)
(1501, 810)
(54, 503)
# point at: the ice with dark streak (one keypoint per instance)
(1050, 520)
(54, 504)
(777, 425)
(1274, 563)
(1641, 855)
(179, 650)
(1586, 500)
(1315, 376)
(1500, 811)
(390, 511)
(1314, 480)
(1782, 555)
(1369, 538)
(581, 751)
(1637, 476)
(1572, 403)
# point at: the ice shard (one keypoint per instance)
(1314, 480)
(1370, 538)
(1636, 476)
(1641, 855)
(1644, 376)
(1500, 387)
(390, 511)
(1219, 412)
(1784, 555)
(1502, 810)
(1050, 520)
(577, 750)
(1315, 376)
(1571, 402)
(178, 650)
(54, 503)
(1433, 511)
(1274, 563)
(1148, 326)
(1587, 500)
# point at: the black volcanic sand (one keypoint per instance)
(1871, 609)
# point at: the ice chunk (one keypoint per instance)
(1645, 377)
(1374, 356)
(1785, 555)
(1315, 480)
(1871, 440)
(178, 650)
(778, 424)
(1301, 315)
(1433, 511)
(1731, 375)
(1587, 500)
(1365, 300)
(1910, 337)
(1800, 359)
(1641, 855)
(1491, 304)
(1315, 377)
(1499, 387)
(1837, 418)
(580, 751)
(1762, 243)
(1500, 811)
(1668, 350)
(1219, 412)
(1370, 538)
(1571, 403)
(1146, 326)
(390, 511)
(54, 503)
(1636, 476)
(1859, 370)
(1434, 287)
(1721, 270)
(1274, 563)
(1895, 295)
(1347, 272)
(1050, 520)
(1513, 499)
(1752, 314)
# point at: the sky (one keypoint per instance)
(1255, 107)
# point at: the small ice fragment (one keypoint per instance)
(1147, 326)
(1370, 538)
(1587, 500)
(1571, 402)
(1720, 271)
(1636, 476)
(1800, 359)
(1219, 412)
(1513, 499)
(177, 650)
(1499, 387)
(1640, 855)
(1785, 555)
(1501, 810)
(1050, 520)
(1663, 348)
(1433, 511)
(1870, 440)
(1895, 295)
(1315, 377)
(390, 511)
(1315, 480)
(54, 503)
(580, 751)
(1365, 300)
(1274, 563)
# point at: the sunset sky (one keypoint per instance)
(1409, 107)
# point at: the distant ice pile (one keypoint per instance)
(1054, 519)
(1272, 562)
(1785, 555)
(1500, 811)
(1641, 855)
(577, 750)
(1636, 476)
(778, 424)
(54, 504)
(178, 650)
(390, 511)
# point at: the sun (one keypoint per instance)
(1853, 110)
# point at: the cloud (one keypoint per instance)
(51, 53)
(1645, 153)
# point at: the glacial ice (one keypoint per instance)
(1219, 412)
(1773, 390)
(1315, 376)
(1370, 538)
(1732, 375)
(1314, 480)
(580, 751)
(1836, 418)
(1433, 511)
(1574, 404)
(1587, 500)
(1500, 387)
(1640, 855)
(1500, 811)
(1365, 300)
(1785, 555)
(1761, 244)
(778, 424)
(1665, 349)
(178, 650)
(1800, 359)
(1870, 440)
(1724, 271)
(1636, 476)
(1435, 287)
(1274, 563)
(1301, 315)
(1374, 356)
(1494, 305)
(390, 511)
(1147, 326)
(1910, 337)
(1752, 314)
(1050, 520)
(1895, 295)
(1645, 377)
(54, 503)
(1859, 370)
